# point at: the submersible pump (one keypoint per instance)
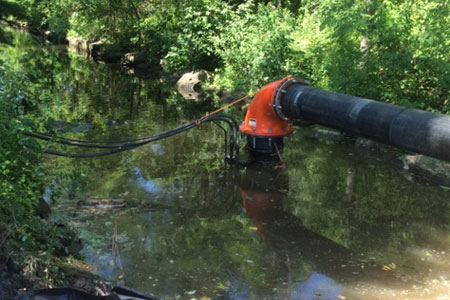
(274, 108)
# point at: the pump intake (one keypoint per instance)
(265, 125)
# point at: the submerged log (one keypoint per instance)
(134, 58)
(96, 50)
(102, 203)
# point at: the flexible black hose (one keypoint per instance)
(225, 135)
(57, 138)
(237, 145)
(131, 144)
(234, 135)
(235, 127)
(410, 129)
(125, 148)
(106, 145)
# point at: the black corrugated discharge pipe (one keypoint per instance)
(411, 129)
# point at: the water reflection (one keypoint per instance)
(318, 286)
(340, 221)
(148, 185)
(260, 249)
(263, 192)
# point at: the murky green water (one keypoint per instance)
(341, 222)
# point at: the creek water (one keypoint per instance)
(342, 221)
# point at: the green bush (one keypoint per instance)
(41, 15)
(198, 27)
(24, 233)
(391, 51)
(17, 151)
(254, 47)
(21, 178)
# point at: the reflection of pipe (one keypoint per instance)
(259, 206)
(411, 129)
(263, 197)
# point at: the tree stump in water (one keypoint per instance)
(190, 85)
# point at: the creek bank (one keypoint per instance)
(17, 280)
(191, 84)
(425, 170)
(52, 260)
(95, 50)
(188, 83)
(101, 51)
(12, 279)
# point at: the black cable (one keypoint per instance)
(124, 148)
(236, 125)
(231, 131)
(234, 135)
(225, 134)
(121, 146)
(107, 145)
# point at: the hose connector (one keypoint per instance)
(265, 124)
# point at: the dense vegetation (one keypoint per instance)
(395, 51)
(391, 50)
(26, 235)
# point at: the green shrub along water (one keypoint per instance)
(41, 245)
(21, 182)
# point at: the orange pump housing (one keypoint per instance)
(261, 119)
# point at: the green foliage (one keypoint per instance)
(199, 25)
(25, 236)
(19, 189)
(115, 21)
(388, 50)
(254, 47)
(11, 10)
(42, 15)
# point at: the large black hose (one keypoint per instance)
(411, 129)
